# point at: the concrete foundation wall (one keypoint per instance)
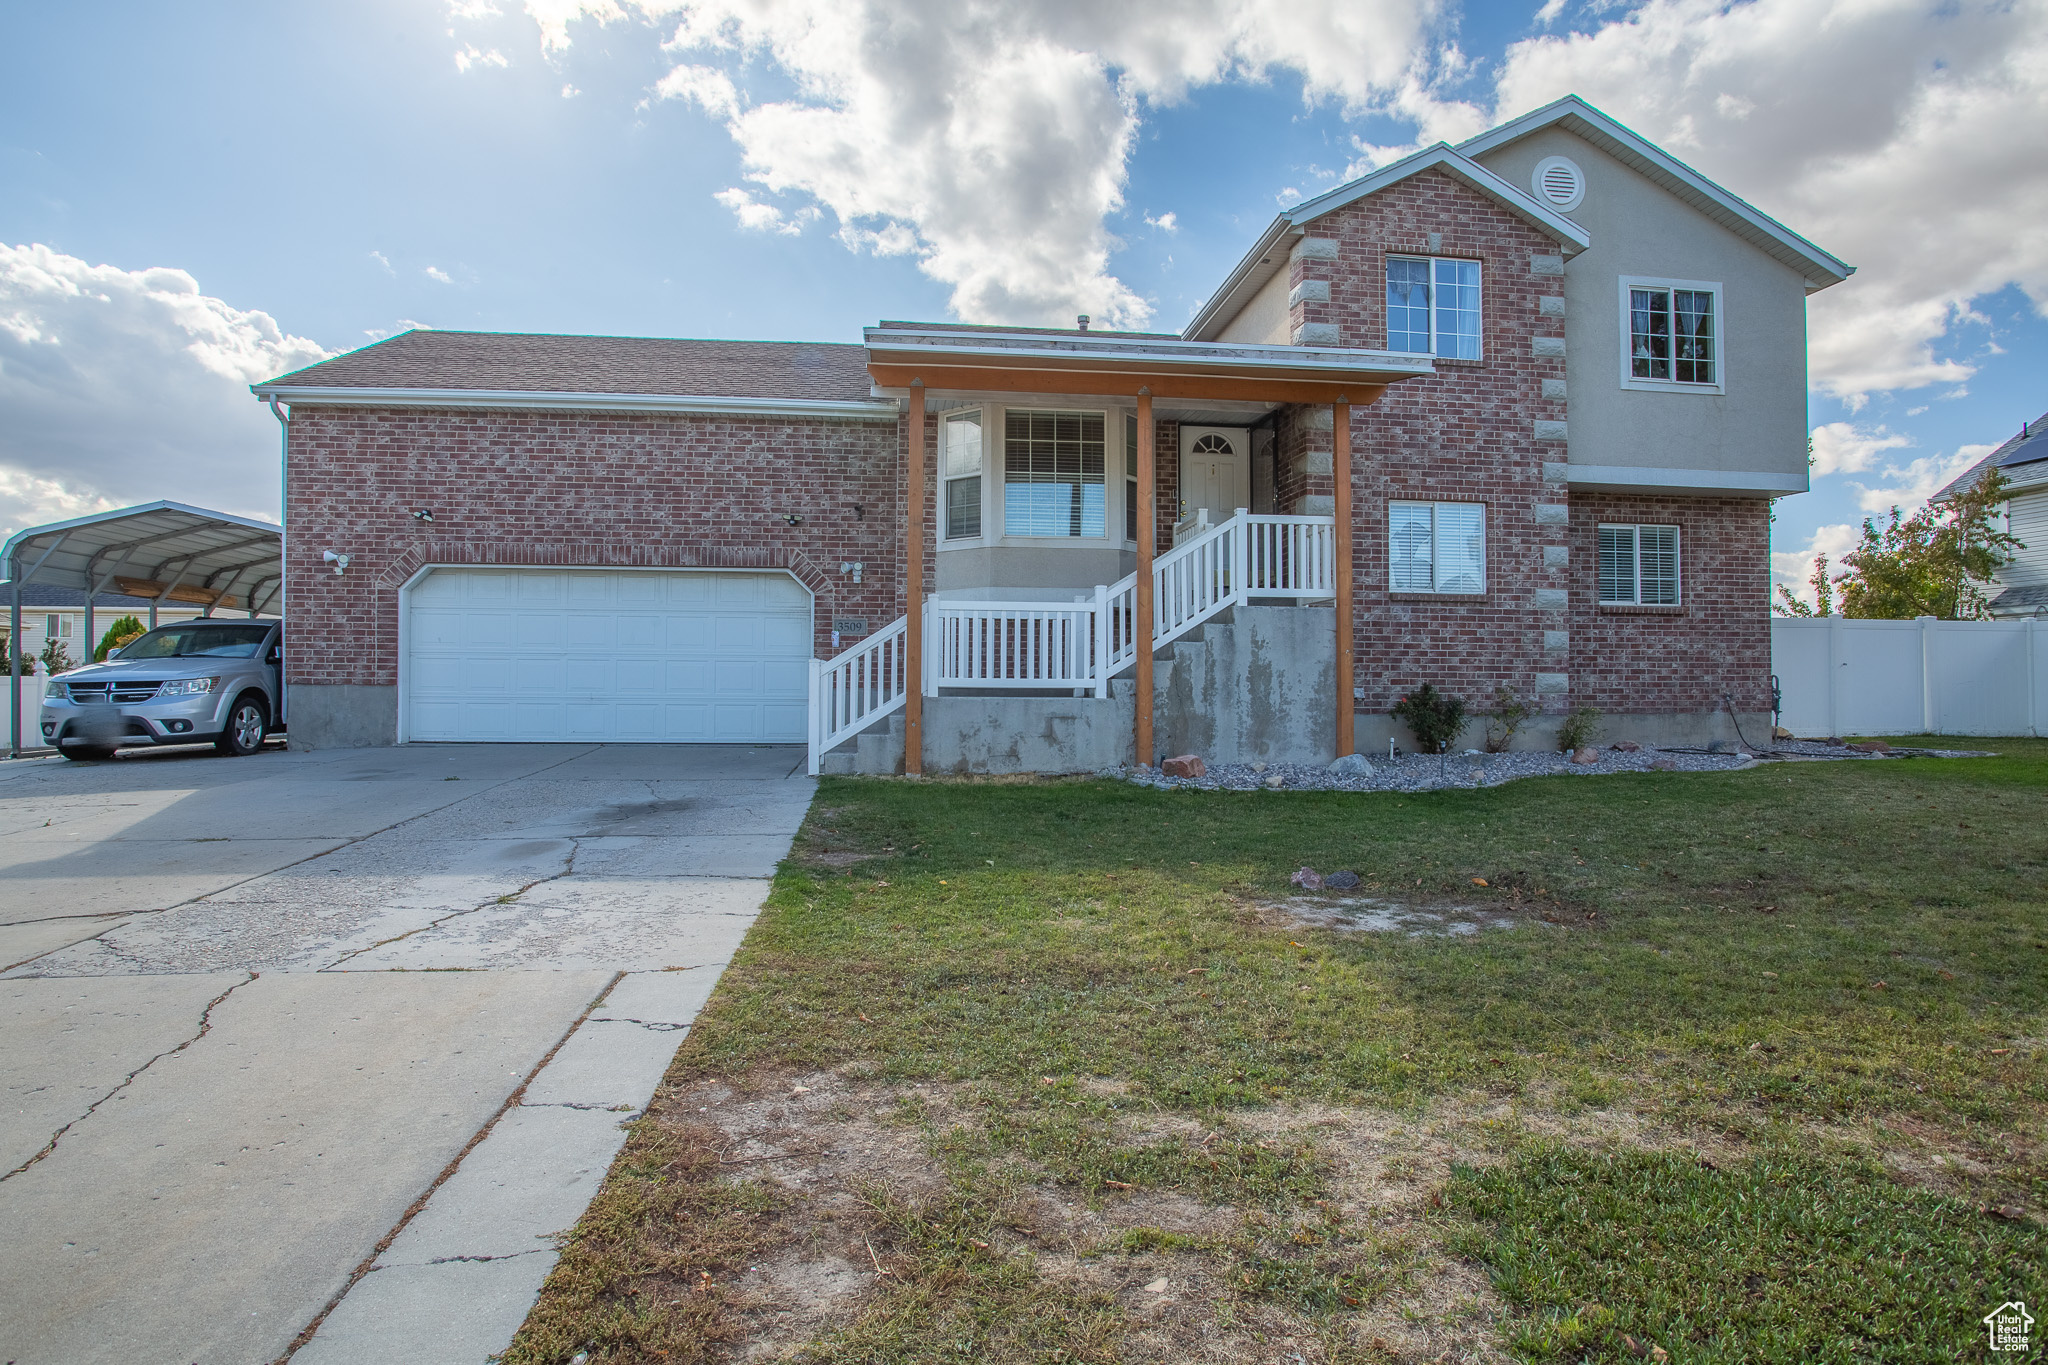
(1256, 684)
(1686, 729)
(341, 717)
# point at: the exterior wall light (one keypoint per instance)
(340, 562)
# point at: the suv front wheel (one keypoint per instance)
(247, 724)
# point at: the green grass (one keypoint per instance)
(1705, 950)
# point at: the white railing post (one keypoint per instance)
(816, 728)
(1100, 662)
(1241, 570)
(933, 647)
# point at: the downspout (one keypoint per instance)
(284, 495)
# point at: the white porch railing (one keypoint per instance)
(1079, 645)
(858, 688)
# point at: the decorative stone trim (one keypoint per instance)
(1320, 417)
(1316, 505)
(1554, 388)
(1319, 334)
(1557, 556)
(1549, 430)
(400, 569)
(1309, 291)
(1552, 599)
(1314, 249)
(1557, 471)
(1546, 265)
(1556, 641)
(1553, 514)
(1546, 346)
(1550, 306)
(1553, 684)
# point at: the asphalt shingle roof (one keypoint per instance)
(1968, 478)
(536, 363)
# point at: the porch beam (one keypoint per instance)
(1340, 549)
(1141, 612)
(1119, 384)
(913, 591)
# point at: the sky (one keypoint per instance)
(198, 196)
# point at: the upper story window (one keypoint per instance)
(1673, 331)
(1436, 547)
(1053, 474)
(961, 460)
(1639, 566)
(1433, 306)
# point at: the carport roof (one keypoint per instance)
(168, 543)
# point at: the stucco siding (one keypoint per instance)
(1759, 423)
(1263, 319)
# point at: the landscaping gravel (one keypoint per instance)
(1429, 772)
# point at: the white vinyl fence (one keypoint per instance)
(31, 706)
(1839, 677)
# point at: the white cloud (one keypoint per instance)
(473, 56)
(119, 387)
(1845, 448)
(991, 140)
(381, 259)
(1904, 136)
(1165, 222)
(1908, 486)
(1793, 568)
(570, 92)
(756, 216)
(438, 275)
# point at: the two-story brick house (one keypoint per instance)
(1505, 414)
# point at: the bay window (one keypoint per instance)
(961, 460)
(1053, 474)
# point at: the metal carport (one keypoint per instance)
(165, 548)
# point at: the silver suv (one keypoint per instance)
(180, 684)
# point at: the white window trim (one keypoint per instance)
(1628, 378)
(1432, 260)
(945, 498)
(1433, 590)
(1678, 545)
(995, 458)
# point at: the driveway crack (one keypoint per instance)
(205, 1026)
(508, 1256)
(568, 870)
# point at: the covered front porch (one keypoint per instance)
(1028, 452)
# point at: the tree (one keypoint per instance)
(118, 635)
(1933, 563)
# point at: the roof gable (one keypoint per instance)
(1261, 263)
(1666, 171)
(2009, 455)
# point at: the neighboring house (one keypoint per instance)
(2021, 587)
(1516, 408)
(59, 613)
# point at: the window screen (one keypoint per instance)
(963, 475)
(1053, 474)
(1436, 547)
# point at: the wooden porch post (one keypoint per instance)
(1141, 623)
(913, 591)
(1340, 472)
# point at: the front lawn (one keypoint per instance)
(1744, 1066)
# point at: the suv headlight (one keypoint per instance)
(186, 687)
(56, 691)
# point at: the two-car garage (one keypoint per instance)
(605, 655)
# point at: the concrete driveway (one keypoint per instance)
(338, 1040)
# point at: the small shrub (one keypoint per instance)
(1434, 717)
(119, 634)
(1506, 717)
(23, 664)
(1580, 728)
(56, 658)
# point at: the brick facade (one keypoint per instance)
(618, 490)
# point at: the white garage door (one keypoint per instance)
(539, 655)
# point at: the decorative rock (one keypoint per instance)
(1872, 746)
(1664, 765)
(1780, 732)
(1276, 781)
(1586, 755)
(1308, 879)
(1186, 765)
(1341, 881)
(1352, 765)
(1258, 767)
(1627, 746)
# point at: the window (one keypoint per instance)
(1433, 306)
(1131, 476)
(962, 464)
(57, 628)
(1436, 546)
(1674, 335)
(1639, 566)
(1053, 474)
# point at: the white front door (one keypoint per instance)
(607, 655)
(1215, 471)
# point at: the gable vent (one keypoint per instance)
(1559, 182)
